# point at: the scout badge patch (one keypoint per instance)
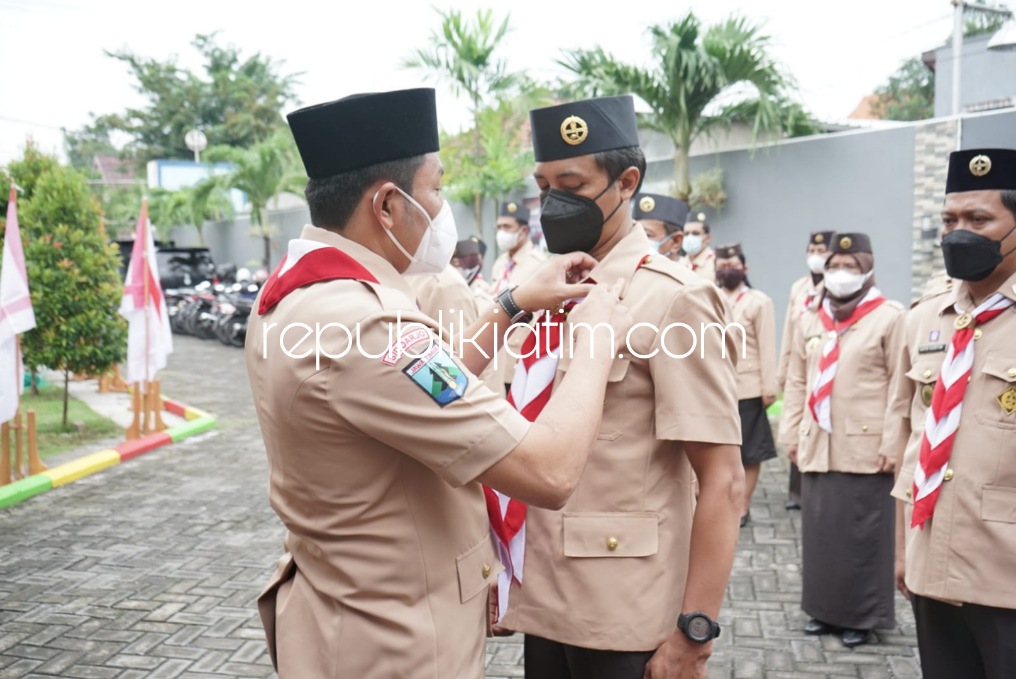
(438, 375)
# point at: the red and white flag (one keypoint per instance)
(149, 337)
(16, 313)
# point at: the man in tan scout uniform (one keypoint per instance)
(468, 259)
(662, 217)
(957, 406)
(376, 433)
(805, 295)
(699, 257)
(756, 368)
(608, 578)
(519, 259)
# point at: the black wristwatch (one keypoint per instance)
(515, 314)
(698, 627)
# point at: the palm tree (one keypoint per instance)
(462, 53)
(694, 74)
(263, 172)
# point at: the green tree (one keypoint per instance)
(506, 156)
(909, 93)
(236, 101)
(692, 86)
(25, 172)
(263, 172)
(462, 53)
(74, 278)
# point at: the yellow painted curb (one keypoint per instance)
(72, 471)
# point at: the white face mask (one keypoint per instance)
(693, 243)
(816, 263)
(506, 240)
(437, 245)
(842, 283)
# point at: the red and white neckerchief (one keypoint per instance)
(943, 417)
(505, 279)
(821, 397)
(530, 392)
(809, 299)
(307, 262)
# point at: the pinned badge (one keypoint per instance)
(846, 242)
(574, 130)
(512, 208)
(962, 321)
(934, 335)
(647, 204)
(980, 165)
(927, 391)
(1007, 399)
(819, 239)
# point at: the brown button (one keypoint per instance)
(927, 374)
(612, 544)
(486, 571)
(978, 334)
(948, 476)
(909, 494)
(864, 427)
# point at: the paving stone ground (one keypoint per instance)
(150, 568)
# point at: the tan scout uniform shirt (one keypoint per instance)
(389, 557)
(442, 296)
(482, 290)
(867, 363)
(795, 309)
(704, 263)
(608, 571)
(756, 366)
(527, 260)
(446, 293)
(967, 550)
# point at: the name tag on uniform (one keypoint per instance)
(438, 375)
(932, 348)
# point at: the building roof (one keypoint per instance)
(113, 170)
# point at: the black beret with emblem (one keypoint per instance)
(583, 127)
(664, 208)
(470, 246)
(849, 243)
(821, 238)
(981, 170)
(732, 250)
(697, 216)
(516, 211)
(365, 129)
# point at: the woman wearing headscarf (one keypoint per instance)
(836, 396)
(756, 366)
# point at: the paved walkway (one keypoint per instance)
(150, 569)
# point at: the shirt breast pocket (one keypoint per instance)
(924, 374)
(611, 534)
(996, 406)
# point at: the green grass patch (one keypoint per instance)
(53, 438)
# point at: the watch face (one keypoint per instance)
(699, 628)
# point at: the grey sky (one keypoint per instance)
(55, 73)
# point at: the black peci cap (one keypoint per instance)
(365, 129)
(981, 170)
(580, 128)
(664, 208)
(850, 243)
(516, 211)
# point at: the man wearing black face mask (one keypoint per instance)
(627, 580)
(955, 433)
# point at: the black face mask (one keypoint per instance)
(730, 278)
(970, 256)
(572, 222)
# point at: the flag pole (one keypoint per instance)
(144, 258)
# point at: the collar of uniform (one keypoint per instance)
(623, 259)
(960, 294)
(524, 250)
(704, 255)
(380, 267)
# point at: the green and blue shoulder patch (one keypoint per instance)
(438, 375)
